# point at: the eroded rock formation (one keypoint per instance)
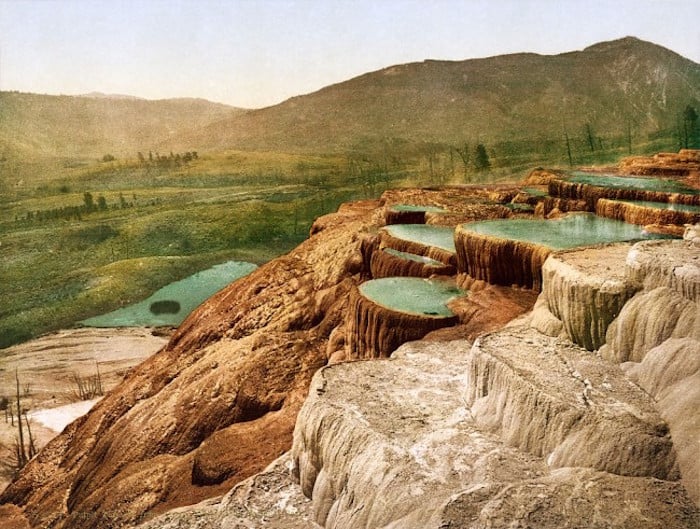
(592, 193)
(434, 462)
(499, 261)
(584, 293)
(657, 337)
(685, 162)
(235, 372)
(388, 263)
(644, 215)
(374, 331)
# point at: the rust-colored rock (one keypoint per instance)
(643, 215)
(592, 193)
(499, 261)
(684, 163)
(235, 372)
(385, 263)
(374, 331)
(562, 205)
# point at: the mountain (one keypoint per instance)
(605, 95)
(33, 125)
(607, 87)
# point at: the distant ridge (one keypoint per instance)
(100, 95)
(608, 86)
(609, 93)
(34, 125)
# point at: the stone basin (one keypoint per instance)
(385, 313)
(631, 182)
(580, 229)
(436, 236)
(422, 297)
(512, 252)
(410, 213)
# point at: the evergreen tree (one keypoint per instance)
(481, 158)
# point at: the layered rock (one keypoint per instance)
(584, 291)
(499, 261)
(424, 434)
(684, 163)
(554, 400)
(391, 237)
(592, 193)
(373, 330)
(644, 215)
(236, 371)
(644, 299)
(388, 262)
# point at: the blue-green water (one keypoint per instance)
(437, 236)
(578, 229)
(424, 297)
(630, 182)
(170, 305)
(664, 205)
(412, 207)
(535, 192)
(413, 257)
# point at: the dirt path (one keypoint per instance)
(48, 367)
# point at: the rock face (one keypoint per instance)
(684, 163)
(585, 293)
(499, 261)
(389, 263)
(592, 193)
(657, 336)
(423, 436)
(638, 214)
(374, 331)
(235, 372)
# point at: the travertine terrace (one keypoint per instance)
(582, 413)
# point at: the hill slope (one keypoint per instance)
(506, 98)
(33, 125)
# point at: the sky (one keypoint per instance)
(256, 53)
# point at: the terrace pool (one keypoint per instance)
(437, 236)
(578, 229)
(170, 305)
(413, 257)
(411, 207)
(664, 205)
(424, 297)
(630, 182)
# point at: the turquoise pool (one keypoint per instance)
(629, 182)
(578, 229)
(423, 297)
(437, 236)
(664, 205)
(413, 257)
(170, 305)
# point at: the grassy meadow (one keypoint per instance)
(62, 260)
(81, 237)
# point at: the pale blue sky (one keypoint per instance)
(254, 53)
